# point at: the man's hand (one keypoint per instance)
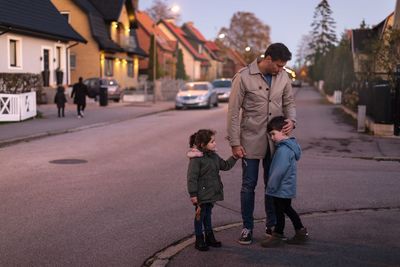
(287, 129)
(238, 152)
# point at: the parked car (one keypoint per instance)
(296, 83)
(223, 88)
(196, 94)
(113, 89)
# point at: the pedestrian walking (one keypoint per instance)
(205, 185)
(282, 184)
(260, 91)
(79, 93)
(60, 100)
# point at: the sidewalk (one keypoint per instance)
(47, 123)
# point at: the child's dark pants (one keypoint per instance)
(205, 219)
(284, 206)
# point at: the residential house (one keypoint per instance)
(359, 44)
(112, 49)
(233, 62)
(35, 38)
(166, 48)
(193, 35)
(196, 63)
(217, 63)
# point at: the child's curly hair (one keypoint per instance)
(201, 138)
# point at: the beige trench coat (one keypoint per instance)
(252, 104)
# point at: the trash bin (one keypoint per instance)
(103, 96)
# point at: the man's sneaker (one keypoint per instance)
(299, 238)
(245, 237)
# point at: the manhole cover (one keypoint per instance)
(68, 161)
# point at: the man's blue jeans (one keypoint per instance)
(249, 181)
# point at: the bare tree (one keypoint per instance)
(161, 10)
(303, 50)
(246, 30)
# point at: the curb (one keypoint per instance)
(163, 256)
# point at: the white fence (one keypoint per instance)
(17, 107)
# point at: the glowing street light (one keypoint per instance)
(247, 49)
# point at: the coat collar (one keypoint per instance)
(253, 67)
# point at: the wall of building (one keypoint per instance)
(87, 55)
(31, 55)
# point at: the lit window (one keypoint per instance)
(108, 67)
(130, 69)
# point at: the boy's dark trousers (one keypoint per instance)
(204, 220)
(284, 206)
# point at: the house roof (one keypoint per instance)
(39, 18)
(236, 57)
(147, 24)
(213, 49)
(195, 33)
(181, 36)
(99, 27)
(359, 37)
(110, 10)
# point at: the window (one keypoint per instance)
(14, 52)
(72, 61)
(108, 67)
(58, 57)
(65, 15)
(130, 69)
(200, 49)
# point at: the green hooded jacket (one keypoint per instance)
(203, 179)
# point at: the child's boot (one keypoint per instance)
(200, 244)
(275, 240)
(300, 237)
(211, 241)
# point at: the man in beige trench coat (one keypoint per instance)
(261, 91)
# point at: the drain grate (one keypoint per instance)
(68, 161)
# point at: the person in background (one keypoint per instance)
(60, 100)
(79, 93)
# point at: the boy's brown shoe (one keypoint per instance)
(300, 237)
(275, 240)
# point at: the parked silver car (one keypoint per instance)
(223, 88)
(196, 94)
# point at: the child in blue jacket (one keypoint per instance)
(282, 184)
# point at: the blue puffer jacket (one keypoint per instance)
(282, 173)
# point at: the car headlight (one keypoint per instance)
(202, 97)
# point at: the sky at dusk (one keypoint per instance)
(288, 20)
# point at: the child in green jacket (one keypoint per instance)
(205, 185)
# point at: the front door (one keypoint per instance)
(46, 67)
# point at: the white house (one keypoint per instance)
(38, 43)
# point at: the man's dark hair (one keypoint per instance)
(80, 79)
(278, 51)
(276, 124)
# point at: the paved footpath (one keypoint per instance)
(47, 123)
(345, 197)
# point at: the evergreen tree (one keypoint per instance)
(323, 36)
(180, 66)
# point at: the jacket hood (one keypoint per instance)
(293, 145)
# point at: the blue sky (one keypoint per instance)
(288, 20)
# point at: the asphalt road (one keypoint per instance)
(125, 198)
